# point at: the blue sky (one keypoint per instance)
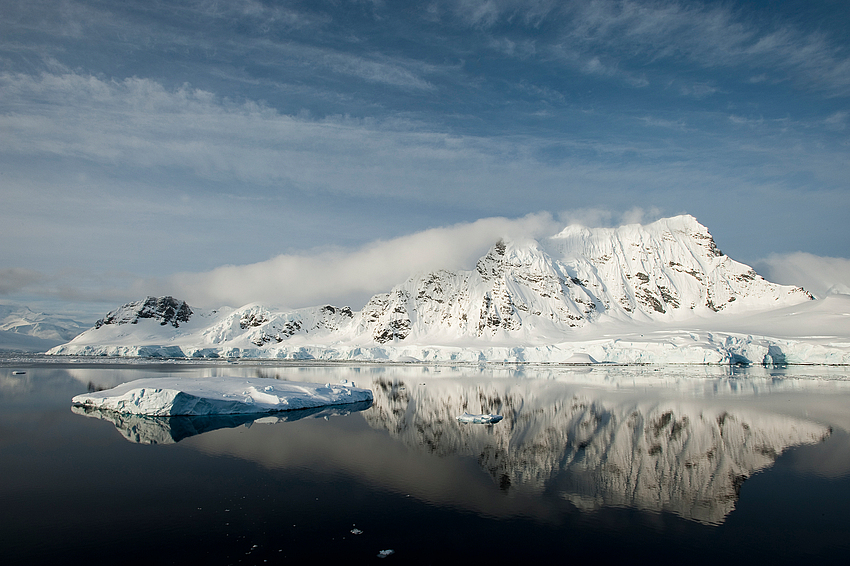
(144, 146)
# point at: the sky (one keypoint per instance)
(300, 153)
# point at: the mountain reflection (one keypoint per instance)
(591, 447)
(143, 429)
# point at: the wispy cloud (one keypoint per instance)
(837, 120)
(139, 122)
(377, 68)
(819, 275)
(251, 129)
(707, 34)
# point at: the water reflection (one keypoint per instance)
(678, 440)
(144, 429)
(594, 448)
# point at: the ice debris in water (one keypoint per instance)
(385, 553)
(479, 419)
(356, 531)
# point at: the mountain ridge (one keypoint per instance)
(24, 330)
(525, 300)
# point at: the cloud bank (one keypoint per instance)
(820, 276)
(351, 276)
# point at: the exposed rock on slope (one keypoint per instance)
(165, 310)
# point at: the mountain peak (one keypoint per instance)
(522, 295)
(167, 310)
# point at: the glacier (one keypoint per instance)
(639, 294)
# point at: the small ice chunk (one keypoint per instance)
(385, 553)
(356, 531)
(479, 419)
(580, 359)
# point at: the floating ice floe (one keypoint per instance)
(479, 419)
(218, 396)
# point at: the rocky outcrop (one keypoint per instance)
(166, 310)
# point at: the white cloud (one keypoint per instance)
(819, 275)
(350, 276)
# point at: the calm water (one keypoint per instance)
(642, 464)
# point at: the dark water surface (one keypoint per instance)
(640, 464)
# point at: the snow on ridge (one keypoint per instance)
(525, 301)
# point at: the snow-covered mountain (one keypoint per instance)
(583, 292)
(25, 330)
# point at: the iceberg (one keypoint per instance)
(479, 419)
(168, 397)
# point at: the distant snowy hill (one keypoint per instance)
(580, 295)
(22, 329)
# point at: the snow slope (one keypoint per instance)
(659, 293)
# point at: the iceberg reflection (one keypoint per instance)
(143, 429)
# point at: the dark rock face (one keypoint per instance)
(167, 310)
(251, 319)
